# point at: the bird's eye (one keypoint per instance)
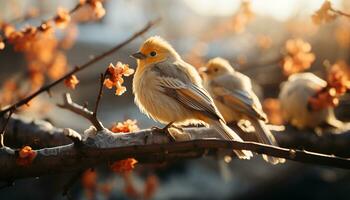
(153, 53)
(216, 69)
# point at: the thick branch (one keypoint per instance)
(35, 133)
(97, 147)
(41, 134)
(145, 146)
(78, 68)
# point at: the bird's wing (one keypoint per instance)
(240, 100)
(179, 84)
(175, 70)
(190, 96)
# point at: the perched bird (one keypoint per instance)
(170, 91)
(233, 95)
(294, 97)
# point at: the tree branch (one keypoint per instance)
(35, 133)
(339, 12)
(39, 27)
(100, 146)
(41, 134)
(4, 127)
(80, 110)
(145, 146)
(79, 68)
(99, 95)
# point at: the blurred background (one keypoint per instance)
(252, 35)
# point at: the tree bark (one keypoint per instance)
(101, 147)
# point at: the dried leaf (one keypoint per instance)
(25, 156)
(71, 82)
(115, 77)
(125, 127)
(123, 166)
(62, 18)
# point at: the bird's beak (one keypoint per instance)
(138, 55)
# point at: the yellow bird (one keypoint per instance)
(233, 95)
(170, 91)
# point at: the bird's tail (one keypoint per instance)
(333, 121)
(265, 136)
(229, 134)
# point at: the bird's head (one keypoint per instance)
(217, 67)
(155, 50)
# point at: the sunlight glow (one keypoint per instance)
(280, 10)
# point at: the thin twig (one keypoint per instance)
(79, 68)
(289, 154)
(339, 12)
(3, 130)
(80, 110)
(79, 5)
(100, 91)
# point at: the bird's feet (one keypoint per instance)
(165, 130)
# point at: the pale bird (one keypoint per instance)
(294, 97)
(233, 95)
